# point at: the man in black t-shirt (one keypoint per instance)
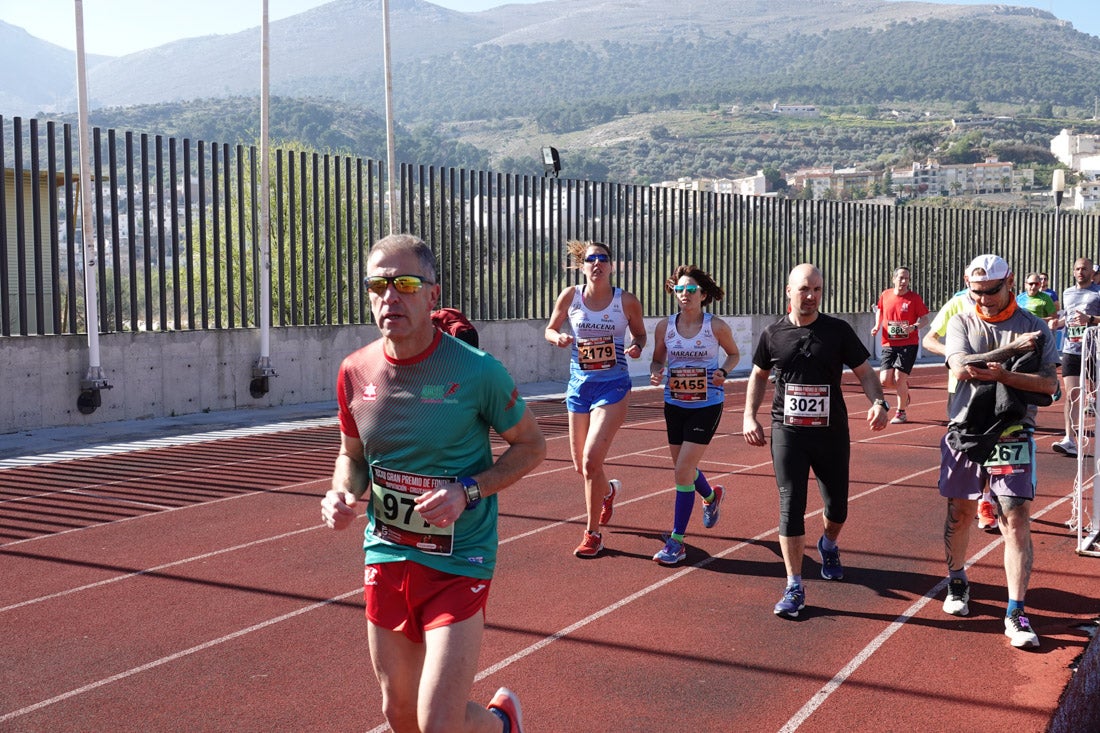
(809, 350)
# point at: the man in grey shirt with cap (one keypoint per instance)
(1005, 361)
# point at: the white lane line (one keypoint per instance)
(172, 657)
(115, 448)
(154, 569)
(119, 501)
(857, 661)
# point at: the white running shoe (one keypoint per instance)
(1066, 446)
(957, 602)
(1019, 632)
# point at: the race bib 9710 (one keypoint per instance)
(396, 521)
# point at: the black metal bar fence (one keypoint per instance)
(176, 226)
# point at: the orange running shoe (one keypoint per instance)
(590, 546)
(609, 500)
(987, 516)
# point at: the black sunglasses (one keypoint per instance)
(989, 291)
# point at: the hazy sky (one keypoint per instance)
(117, 27)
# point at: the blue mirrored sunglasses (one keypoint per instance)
(685, 288)
(597, 258)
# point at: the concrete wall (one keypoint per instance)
(178, 373)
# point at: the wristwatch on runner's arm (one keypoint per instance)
(473, 491)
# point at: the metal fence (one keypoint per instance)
(176, 222)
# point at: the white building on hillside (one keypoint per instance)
(833, 183)
(795, 110)
(932, 179)
(1089, 165)
(1086, 195)
(749, 186)
(1071, 149)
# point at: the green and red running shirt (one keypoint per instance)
(425, 421)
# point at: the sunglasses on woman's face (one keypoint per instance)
(690, 289)
(407, 284)
(596, 258)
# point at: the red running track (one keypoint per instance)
(191, 588)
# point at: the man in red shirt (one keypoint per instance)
(900, 314)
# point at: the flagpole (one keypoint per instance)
(93, 380)
(262, 371)
(391, 175)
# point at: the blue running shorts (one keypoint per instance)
(582, 395)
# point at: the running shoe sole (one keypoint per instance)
(668, 558)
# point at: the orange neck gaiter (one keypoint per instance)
(1002, 316)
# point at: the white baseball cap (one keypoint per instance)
(993, 266)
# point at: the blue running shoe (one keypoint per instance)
(710, 509)
(831, 569)
(672, 553)
(793, 601)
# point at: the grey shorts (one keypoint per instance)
(1009, 472)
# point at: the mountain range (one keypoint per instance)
(567, 65)
(572, 50)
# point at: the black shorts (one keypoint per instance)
(1071, 366)
(898, 357)
(692, 424)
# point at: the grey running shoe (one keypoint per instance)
(1066, 446)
